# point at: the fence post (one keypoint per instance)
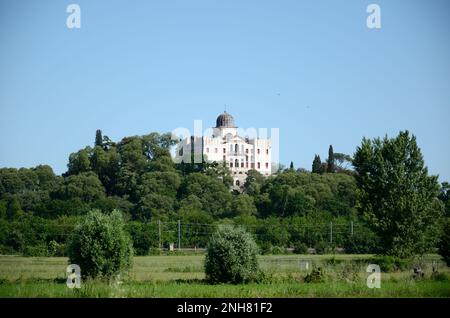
(179, 234)
(331, 232)
(159, 233)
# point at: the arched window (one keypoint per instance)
(236, 148)
(236, 163)
(259, 165)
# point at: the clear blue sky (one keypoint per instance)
(310, 68)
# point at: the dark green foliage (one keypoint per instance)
(13, 208)
(391, 263)
(254, 182)
(231, 257)
(362, 241)
(323, 247)
(330, 161)
(300, 248)
(444, 196)
(444, 244)
(214, 197)
(316, 275)
(100, 245)
(396, 194)
(317, 165)
(273, 231)
(98, 138)
(144, 236)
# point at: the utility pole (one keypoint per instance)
(179, 234)
(159, 233)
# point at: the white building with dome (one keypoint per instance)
(240, 153)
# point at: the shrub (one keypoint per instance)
(36, 250)
(231, 257)
(315, 276)
(100, 245)
(444, 244)
(300, 248)
(55, 248)
(323, 248)
(278, 250)
(391, 263)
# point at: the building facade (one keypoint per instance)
(239, 153)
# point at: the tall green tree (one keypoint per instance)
(330, 161)
(98, 138)
(397, 195)
(317, 164)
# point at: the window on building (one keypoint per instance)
(215, 150)
(246, 150)
(231, 164)
(246, 164)
(236, 163)
(236, 148)
(224, 150)
(253, 165)
(246, 158)
(267, 165)
(258, 151)
(259, 165)
(238, 183)
(267, 151)
(224, 158)
(242, 164)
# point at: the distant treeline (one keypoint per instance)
(38, 209)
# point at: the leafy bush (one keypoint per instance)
(56, 249)
(277, 250)
(323, 248)
(300, 248)
(316, 276)
(100, 245)
(36, 250)
(444, 244)
(391, 263)
(231, 256)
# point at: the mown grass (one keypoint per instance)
(182, 276)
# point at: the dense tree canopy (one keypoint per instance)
(137, 176)
(397, 195)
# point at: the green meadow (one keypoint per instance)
(183, 276)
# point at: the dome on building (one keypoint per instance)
(225, 120)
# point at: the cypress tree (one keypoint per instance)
(317, 163)
(98, 138)
(330, 161)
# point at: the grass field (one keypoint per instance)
(182, 276)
